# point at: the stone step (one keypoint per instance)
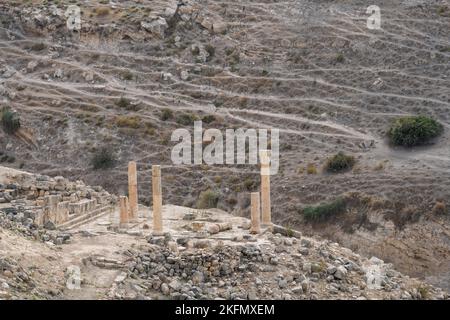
(85, 218)
(88, 220)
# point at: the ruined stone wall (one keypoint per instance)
(46, 201)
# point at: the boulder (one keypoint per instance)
(340, 273)
(157, 27)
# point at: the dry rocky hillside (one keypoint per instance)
(139, 69)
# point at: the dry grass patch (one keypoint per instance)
(128, 122)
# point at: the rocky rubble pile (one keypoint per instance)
(274, 267)
(16, 282)
(35, 187)
(22, 201)
(18, 222)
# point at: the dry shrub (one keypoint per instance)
(128, 122)
(102, 11)
(311, 168)
(440, 208)
(208, 199)
(403, 215)
(339, 162)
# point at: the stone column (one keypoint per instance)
(132, 191)
(265, 188)
(256, 213)
(53, 201)
(123, 207)
(157, 200)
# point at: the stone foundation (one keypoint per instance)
(54, 201)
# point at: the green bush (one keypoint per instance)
(103, 159)
(10, 121)
(414, 130)
(339, 162)
(38, 46)
(211, 51)
(127, 75)
(324, 210)
(208, 118)
(123, 103)
(166, 114)
(207, 199)
(186, 119)
(340, 58)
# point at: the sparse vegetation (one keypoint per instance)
(324, 211)
(339, 162)
(38, 46)
(166, 114)
(424, 292)
(440, 208)
(443, 10)
(127, 75)
(10, 121)
(102, 11)
(380, 165)
(186, 119)
(208, 118)
(104, 158)
(123, 103)
(404, 214)
(311, 168)
(289, 232)
(207, 199)
(211, 51)
(128, 122)
(414, 131)
(340, 58)
(250, 184)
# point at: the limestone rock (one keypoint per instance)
(340, 273)
(157, 27)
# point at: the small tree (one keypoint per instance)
(10, 121)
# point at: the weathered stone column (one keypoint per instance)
(157, 200)
(132, 191)
(265, 188)
(123, 207)
(53, 201)
(255, 213)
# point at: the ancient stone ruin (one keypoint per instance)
(128, 206)
(56, 202)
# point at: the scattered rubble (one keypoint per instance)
(236, 271)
